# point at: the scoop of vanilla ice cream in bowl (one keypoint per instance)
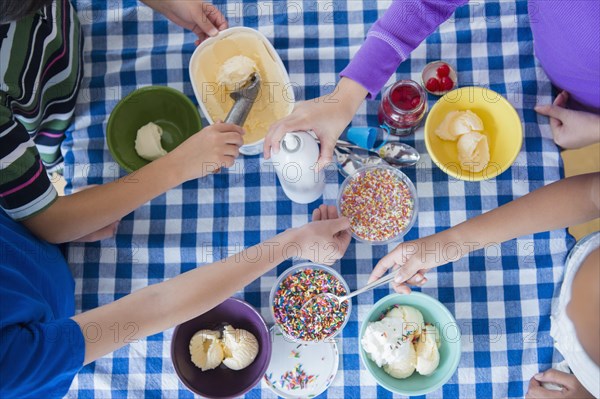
(224, 352)
(148, 123)
(473, 134)
(410, 344)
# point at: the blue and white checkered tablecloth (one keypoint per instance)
(501, 297)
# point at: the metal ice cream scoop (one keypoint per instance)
(244, 100)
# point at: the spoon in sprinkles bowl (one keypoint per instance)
(322, 300)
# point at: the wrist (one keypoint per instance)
(351, 94)
(170, 170)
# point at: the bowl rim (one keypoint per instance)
(453, 74)
(246, 149)
(411, 188)
(458, 343)
(141, 90)
(268, 346)
(470, 176)
(309, 265)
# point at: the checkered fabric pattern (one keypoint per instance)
(501, 296)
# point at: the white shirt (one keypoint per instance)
(562, 329)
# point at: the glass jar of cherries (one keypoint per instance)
(402, 107)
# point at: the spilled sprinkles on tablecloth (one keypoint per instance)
(318, 321)
(378, 203)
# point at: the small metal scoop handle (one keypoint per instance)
(381, 281)
(244, 100)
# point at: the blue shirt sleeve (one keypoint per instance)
(40, 359)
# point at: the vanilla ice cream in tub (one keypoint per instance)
(276, 98)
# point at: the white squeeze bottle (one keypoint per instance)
(296, 167)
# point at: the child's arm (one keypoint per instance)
(558, 205)
(77, 215)
(389, 42)
(161, 306)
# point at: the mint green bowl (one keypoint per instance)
(170, 109)
(433, 312)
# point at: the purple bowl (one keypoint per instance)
(221, 382)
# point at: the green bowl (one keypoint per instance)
(433, 312)
(167, 107)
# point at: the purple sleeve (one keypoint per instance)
(392, 38)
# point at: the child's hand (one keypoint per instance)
(327, 116)
(202, 18)
(411, 260)
(571, 387)
(216, 146)
(570, 129)
(326, 238)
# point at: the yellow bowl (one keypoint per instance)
(501, 124)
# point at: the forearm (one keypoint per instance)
(162, 306)
(74, 216)
(565, 203)
(350, 95)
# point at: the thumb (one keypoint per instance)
(326, 154)
(203, 22)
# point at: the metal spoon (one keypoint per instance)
(394, 152)
(399, 154)
(347, 162)
(338, 300)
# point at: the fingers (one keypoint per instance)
(539, 392)
(229, 127)
(417, 279)
(103, 233)
(555, 376)
(232, 150)
(561, 100)
(557, 109)
(386, 263)
(316, 215)
(292, 123)
(216, 17)
(232, 138)
(332, 212)
(325, 212)
(401, 288)
(203, 20)
(272, 141)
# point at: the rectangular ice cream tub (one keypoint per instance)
(276, 98)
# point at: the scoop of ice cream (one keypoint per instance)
(403, 366)
(473, 152)
(384, 343)
(412, 320)
(206, 350)
(428, 355)
(457, 123)
(240, 347)
(147, 142)
(236, 71)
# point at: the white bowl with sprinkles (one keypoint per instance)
(381, 203)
